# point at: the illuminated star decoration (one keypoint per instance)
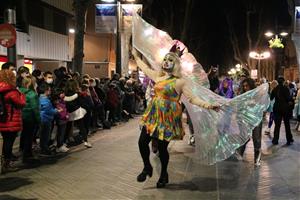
(276, 43)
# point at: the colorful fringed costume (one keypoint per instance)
(162, 117)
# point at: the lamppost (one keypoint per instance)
(276, 44)
(259, 56)
(118, 33)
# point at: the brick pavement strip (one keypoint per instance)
(109, 170)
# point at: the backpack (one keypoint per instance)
(3, 111)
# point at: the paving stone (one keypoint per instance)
(109, 170)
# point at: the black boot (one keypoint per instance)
(147, 171)
(7, 166)
(163, 181)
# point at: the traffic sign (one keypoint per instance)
(8, 35)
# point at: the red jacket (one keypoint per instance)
(12, 97)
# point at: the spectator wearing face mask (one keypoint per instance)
(48, 78)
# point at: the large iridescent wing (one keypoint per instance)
(154, 44)
(218, 134)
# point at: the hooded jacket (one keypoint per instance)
(47, 110)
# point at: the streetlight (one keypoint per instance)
(259, 56)
(276, 44)
(71, 30)
(270, 34)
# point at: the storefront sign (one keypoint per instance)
(8, 35)
(106, 20)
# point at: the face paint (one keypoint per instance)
(168, 63)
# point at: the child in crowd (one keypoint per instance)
(62, 119)
(87, 103)
(76, 111)
(30, 117)
(47, 114)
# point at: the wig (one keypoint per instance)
(227, 93)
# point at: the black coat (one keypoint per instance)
(283, 100)
(72, 101)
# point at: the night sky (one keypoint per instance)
(208, 32)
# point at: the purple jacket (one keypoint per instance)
(63, 115)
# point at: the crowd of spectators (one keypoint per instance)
(54, 111)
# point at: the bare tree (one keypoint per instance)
(80, 9)
(234, 40)
(254, 37)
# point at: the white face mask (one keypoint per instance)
(49, 80)
(15, 73)
(169, 63)
(93, 84)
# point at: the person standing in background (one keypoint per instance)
(281, 111)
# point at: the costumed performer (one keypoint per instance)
(162, 118)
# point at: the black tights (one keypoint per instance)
(144, 141)
(8, 142)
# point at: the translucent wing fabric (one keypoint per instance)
(217, 134)
(154, 44)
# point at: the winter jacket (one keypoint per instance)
(63, 114)
(14, 102)
(86, 101)
(95, 97)
(31, 111)
(47, 110)
(282, 97)
(74, 107)
(113, 98)
(72, 102)
(101, 94)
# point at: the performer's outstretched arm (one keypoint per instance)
(144, 67)
(193, 99)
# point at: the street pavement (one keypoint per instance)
(109, 170)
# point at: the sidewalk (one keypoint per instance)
(109, 170)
